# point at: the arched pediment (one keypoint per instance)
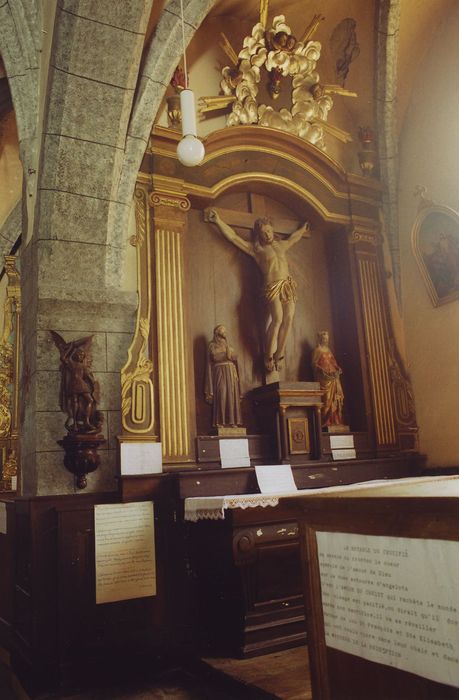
(271, 162)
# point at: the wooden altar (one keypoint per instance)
(231, 586)
(238, 580)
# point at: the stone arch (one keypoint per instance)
(90, 159)
(20, 24)
(10, 231)
(19, 46)
(160, 62)
(94, 63)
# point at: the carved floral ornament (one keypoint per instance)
(6, 370)
(278, 53)
(6, 380)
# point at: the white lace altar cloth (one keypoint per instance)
(213, 507)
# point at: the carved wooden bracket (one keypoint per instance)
(137, 394)
(81, 455)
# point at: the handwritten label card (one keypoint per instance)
(343, 454)
(141, 458)
(392, 600)
(275, 478)
(125, 551)
(234, 453)
(341, 442)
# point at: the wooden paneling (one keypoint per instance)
(58, 628)
(249, 594)
(7, 574)
(337, 675)
(317, 474)
(234, 583)
(245, 570)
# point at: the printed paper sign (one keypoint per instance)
(392, 600)
(234, 453)
(141, 458)
(275, 478)
(125, 551)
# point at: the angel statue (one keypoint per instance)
(79, 392)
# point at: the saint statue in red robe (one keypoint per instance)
(327, 372)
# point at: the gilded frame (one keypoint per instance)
(435, 245)
(298, 435)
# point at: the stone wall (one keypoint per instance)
(95, 122)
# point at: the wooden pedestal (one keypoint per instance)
(243, 573)
(291, 411)
(248, 592)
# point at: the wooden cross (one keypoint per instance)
(245, 220)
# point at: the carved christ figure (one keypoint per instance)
(278, 286)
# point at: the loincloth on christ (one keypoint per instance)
(284, 289)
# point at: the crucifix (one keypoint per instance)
(269, 252)
(282, 226)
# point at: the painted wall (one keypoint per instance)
(429, 155)
(10, 167)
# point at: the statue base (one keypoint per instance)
(231, 431)
(81, 456)
(336, 429)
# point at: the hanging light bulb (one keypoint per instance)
(190, 150)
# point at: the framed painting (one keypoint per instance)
(435, 243)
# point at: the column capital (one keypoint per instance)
(170, 200)
(357, 235)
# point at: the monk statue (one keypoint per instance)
(327, 372)
(222, 388)
(279, 288)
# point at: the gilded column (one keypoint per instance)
(170, 216)
(376, 331)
